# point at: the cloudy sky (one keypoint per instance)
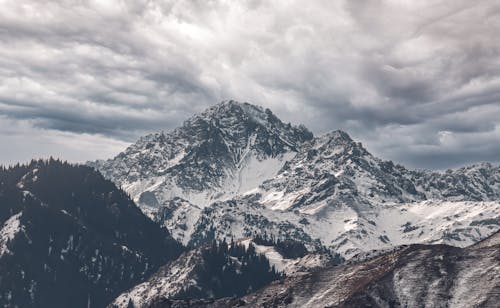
(417, 82)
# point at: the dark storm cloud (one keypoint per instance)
(417, 82)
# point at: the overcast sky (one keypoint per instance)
(417, 82)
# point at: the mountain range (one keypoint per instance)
(236, 170)
(237, 208)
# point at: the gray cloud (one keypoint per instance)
(417, 82)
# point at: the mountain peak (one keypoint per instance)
(231, 104)
(243, 126)
(338, 135)
(339, 139)
(230, 112)
(209, 152)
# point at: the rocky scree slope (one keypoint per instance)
(236, 169)
(70, 238)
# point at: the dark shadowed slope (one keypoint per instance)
(70, 238)
(213, 271)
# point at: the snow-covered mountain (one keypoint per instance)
(236, 170)
(227, 150)
(344, 230)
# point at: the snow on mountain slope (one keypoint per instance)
(226, 150)
(181, 217)
(236, 170)
(8, 231)
(333, 170)
(290, 266)
(347, 232)
(492, 240)
(170, 280)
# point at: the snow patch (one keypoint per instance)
(285, 265)
(10, 228)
